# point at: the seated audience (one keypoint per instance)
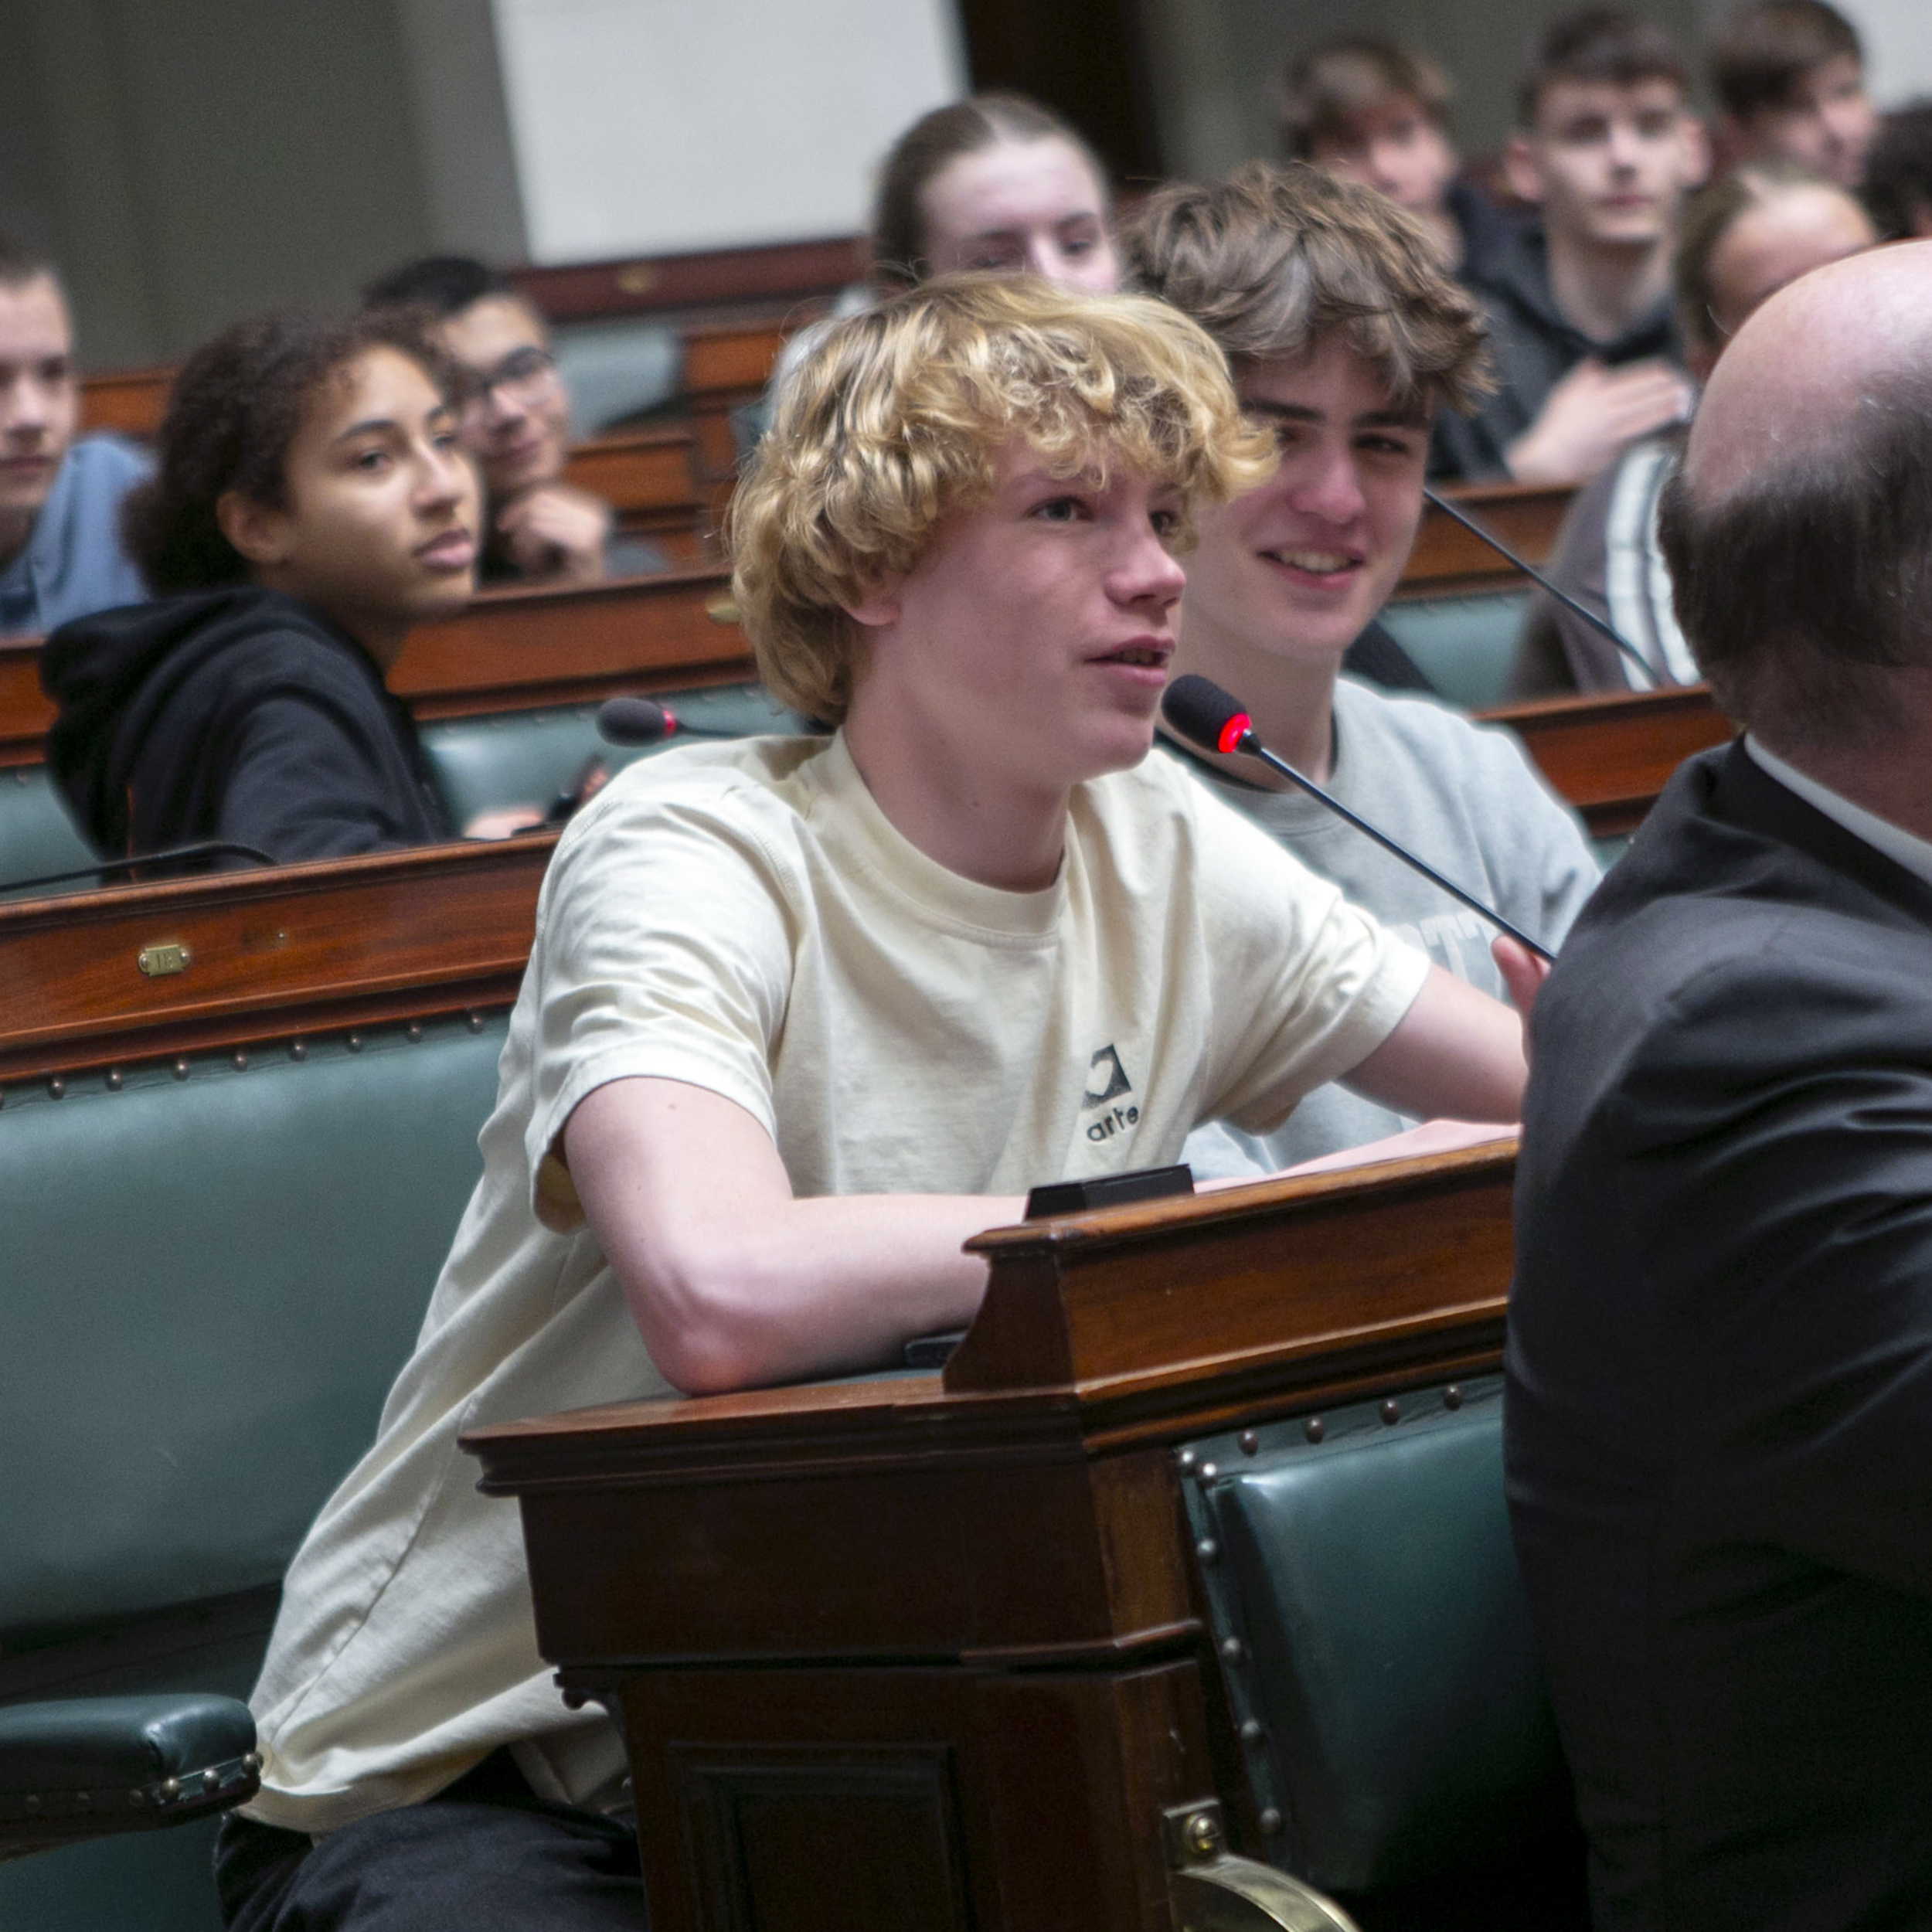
(1345, 338)
(1579, 304)
(1372, 111)
(516, 420)
(1898, 174)
(60, 549)
(311, 504)
(801, 1015)
(1788, 77)
(1744, 238)
(994, 182)
(1719, 1359)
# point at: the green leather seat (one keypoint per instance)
(1464, 645)
(36, 835)
(207, 1287)
(1377, 1653)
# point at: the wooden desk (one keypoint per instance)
(772, 279)
(1610, 756)
(649, 479)
(130, 401)
(927, 1645)
(270, 955)
(1447, 561)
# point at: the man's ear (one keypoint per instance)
(1520, 170)
(261, 534)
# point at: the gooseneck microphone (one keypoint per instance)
(173, 855)
(1654, 673)
(634, 721)
(1204, 714)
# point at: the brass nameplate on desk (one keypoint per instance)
(158, 961)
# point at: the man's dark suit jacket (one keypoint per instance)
(1719, 1420)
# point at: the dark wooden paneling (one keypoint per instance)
(647, 477)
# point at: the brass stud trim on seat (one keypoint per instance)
(414, 1031)
(1391, 1410)
(57, 1088)
(1250, 1442)
(239, 1059)
(1231, 1649)
(473, 1021)
(1270, 1821)
(181, 1070)
(1208, 1550)
(355, 1042)
(1314, 1428)
(1452, 1397)
(1251, 1732)
(116, 1080)
(298, 1049)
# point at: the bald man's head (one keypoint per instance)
(1799, 529)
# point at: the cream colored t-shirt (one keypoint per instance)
(745, 918)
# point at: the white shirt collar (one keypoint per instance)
(1902, 848)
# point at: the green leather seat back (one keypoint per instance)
(1380, 1639)
(206, 1288)
(1463, 646)
(527, 757)
(36, 835)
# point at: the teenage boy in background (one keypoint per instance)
(801, 1015)
(1345, 340)
(1606, 147)
(1377, 112)
(1788, 77)
(60, 549)
(515, 419)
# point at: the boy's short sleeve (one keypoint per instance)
(1306, 985)
(663, 949)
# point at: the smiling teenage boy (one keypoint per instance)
(801, 1015)
(1345, 338)
(310, 506)
(1580, 313)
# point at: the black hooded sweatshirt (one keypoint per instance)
(1535, 346)
(240, 713)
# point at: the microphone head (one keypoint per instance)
(1204, 714)
(634, 721)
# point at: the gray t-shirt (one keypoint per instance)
(1464, 797)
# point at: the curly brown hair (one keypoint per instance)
(234, 410)
(1273, 260)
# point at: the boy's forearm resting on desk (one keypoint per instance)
(735, 1282)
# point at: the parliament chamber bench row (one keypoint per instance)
(517, 653)
(239, 1113)
(1131, 1578)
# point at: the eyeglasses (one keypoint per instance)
(525, 376)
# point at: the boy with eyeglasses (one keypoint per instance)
(516, 422)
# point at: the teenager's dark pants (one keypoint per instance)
(485, 1856)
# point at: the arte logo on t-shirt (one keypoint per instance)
(1110, 1082)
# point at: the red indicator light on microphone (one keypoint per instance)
(1236, 728)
